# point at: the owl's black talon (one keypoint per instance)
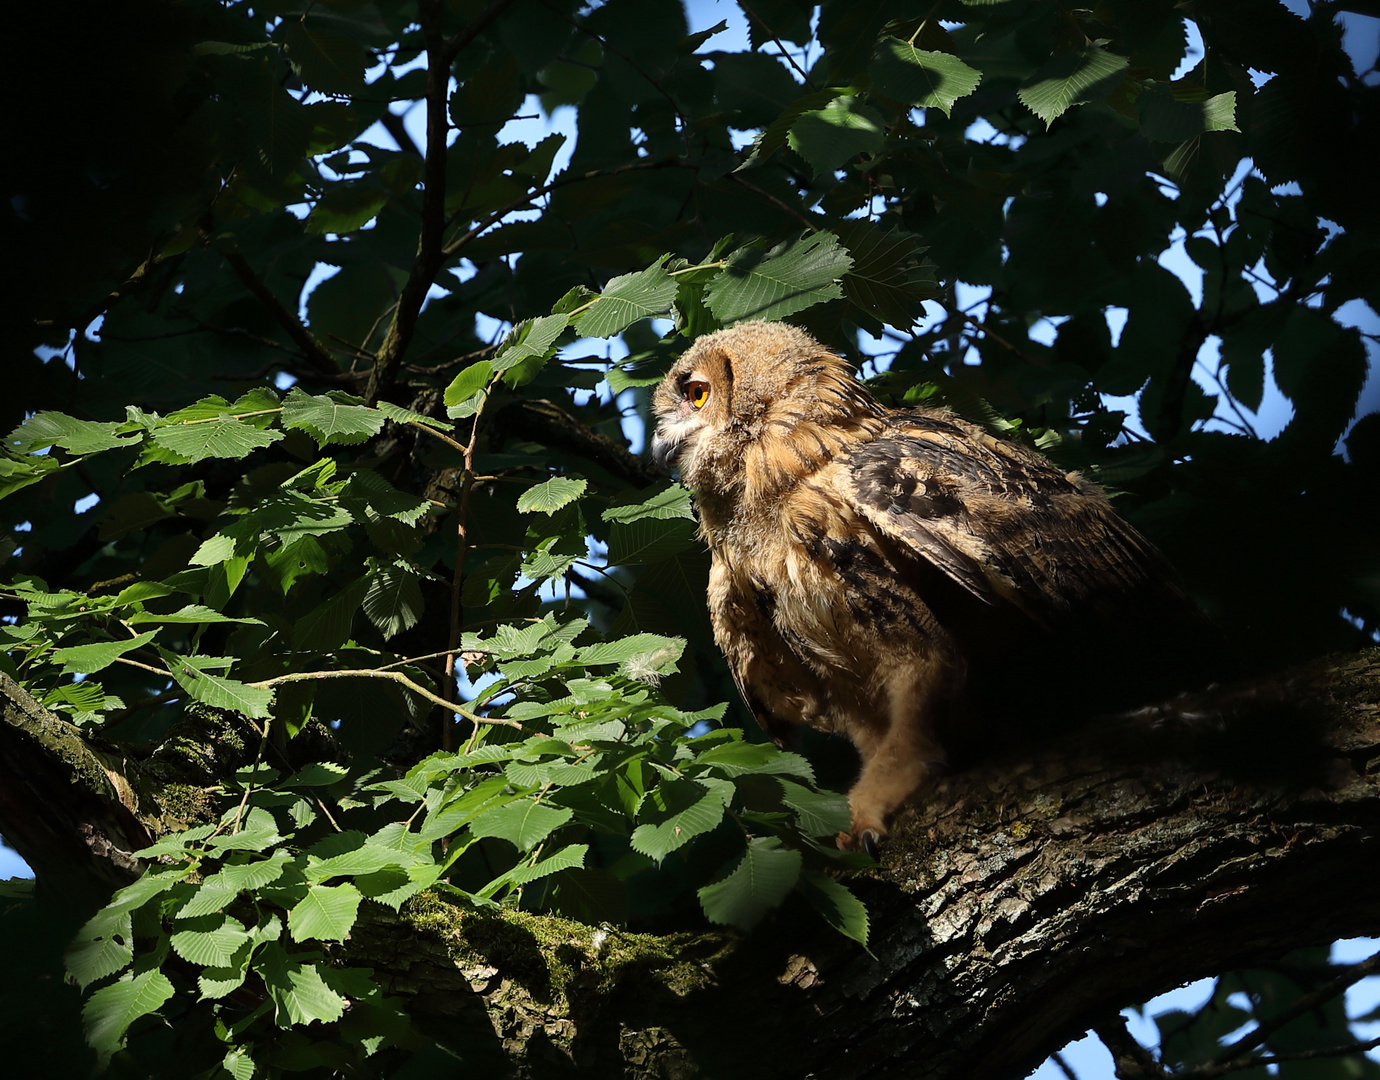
(871, 843)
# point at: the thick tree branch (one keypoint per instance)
(429, 257)
(1024, 903)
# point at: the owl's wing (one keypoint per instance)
(1000, 520)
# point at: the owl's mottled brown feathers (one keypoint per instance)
(897, 575)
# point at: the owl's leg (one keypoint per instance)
(899, 752)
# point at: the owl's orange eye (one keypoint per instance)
(697, 393)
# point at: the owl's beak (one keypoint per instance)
(664, 449)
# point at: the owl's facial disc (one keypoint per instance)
(677, 426)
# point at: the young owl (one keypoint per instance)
(901, 576)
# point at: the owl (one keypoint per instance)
(902, 577)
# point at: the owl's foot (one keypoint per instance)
(868, 840)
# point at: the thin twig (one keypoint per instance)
(1348, 976)
(312, 350)
(393, 676)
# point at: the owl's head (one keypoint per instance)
(736, 389)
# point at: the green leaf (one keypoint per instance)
(331, 418)
(345, 208)
(626, 299)
(327, 627)
(530, 340)
(109, 1011)
(394, 600)
(103, 946)
(550, 496)
(759, 883)
(525, 874)
(189, 615)
(45, 429)
(888, 278)
(837, 904)
(193, 675)
(829, 137)
(820, 813)
(383, 498)
(673, 814)
(298, 992)
(87, 659)
(210, 940)
(328, 60)
(399, 415)
(1165, 119)
(735, 758)
(665, 500)
(794, 275)
(524, 822)
(1086, 74)
(778, 131)
(624, 650)
(326, 913)
(348, 854)
(649, 539)
(918, 77)
(466, 392)
(224, 437)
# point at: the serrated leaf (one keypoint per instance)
(210, 940)
(564, 859)
(345, 208)
(674, 813)
(837, 904)
(327, 627)
(110, 1010)
(331, 418)
(919, 77)
(649, 539)
(819, 813)
(326, 913)
(47, 428)
(328, 60)
(399, 415)
(793, 276)
(626, 299)
(216, 690)
(735, 758)
(189, 614)
(829, 137)
(1086, 74)
(888, 278)
(625, 649)
(531, 339)
(218, 982)
(234, 877)
(763, 878)
(550, 496)
(394, 600)
(384, 499)
(298, 992)
(223, 437)
(1163, 118)
(466, 392)
(88, 659)
(774, 136)
(525, 823)
(666, 500)
(103, 946)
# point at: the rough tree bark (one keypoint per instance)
(1023, 904)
